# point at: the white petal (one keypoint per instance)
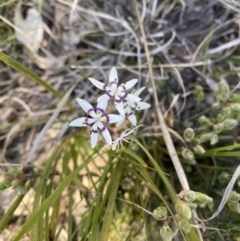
(94, 135)
(113, 78)
(98, 84)
(120, 122)
(102, 104)
(133, 119)
(88, 108)
(131, 98)
(119, 106)
(138, 92)
(142, 105)
(80, 122)
(114, 145)
(106, 135)
(104, 96)
(130, 83)
(111, 118)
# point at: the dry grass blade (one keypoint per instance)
(50, 122)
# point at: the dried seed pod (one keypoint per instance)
(187, 195)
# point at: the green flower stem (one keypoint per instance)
(107, 219)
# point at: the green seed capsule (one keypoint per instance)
(204, 121)
(202, 198)
(205, 137)
(214, 139)
(234, 196)
(230, 124)
(183, 209)
(218, 128)
(223, 177)
(235, 107)
(223, 92)
(234, 206)
(4, 185)
(189, 156)
(166, 233)
(198, 149)
(188, 134)
(184, 225)
(160, 213)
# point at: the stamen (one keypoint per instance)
(99, 110)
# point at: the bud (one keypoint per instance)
(223, 177)
(187, 196)
(218, 127)
(188, 134)
(235, 107)
(204, 121)
(202, 198)
(160, 213)
(188, 155)
(230, 124)
(4, 185)
(205, 137)
(183, 209)
(214, 139)
(198, 149)
(166, 233)
(223, 92)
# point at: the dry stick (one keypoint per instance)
(167, 138)
(166, 135)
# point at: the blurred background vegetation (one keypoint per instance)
(56, 187)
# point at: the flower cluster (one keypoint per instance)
(126, 104)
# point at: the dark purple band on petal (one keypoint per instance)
(89, 111)
(94, 131)
(125, 95)
(134, 108)
(118, 101)
(86, 120)
(131, 113)
(113, 82)
(107, 118)
(123, 86)
(103, 129)
(105, 86)
(99, 109)
(110, 96)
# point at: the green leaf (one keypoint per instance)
(19, 67)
